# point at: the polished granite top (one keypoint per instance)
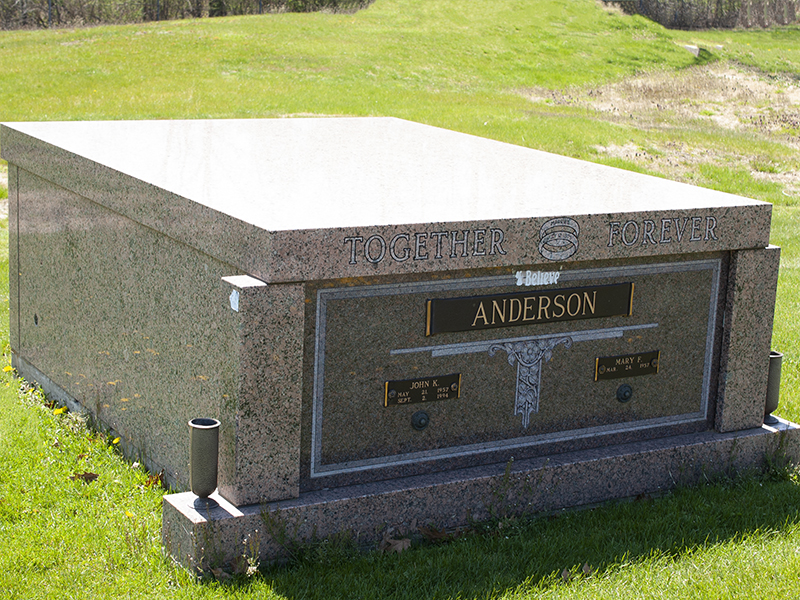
(322, 198)
(312, 173)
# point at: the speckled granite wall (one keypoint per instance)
(748, 333)
(134, 325)
(265, 451)
(13, 257)
(144, 337)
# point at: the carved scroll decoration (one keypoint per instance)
(528, 356)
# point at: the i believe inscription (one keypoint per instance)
(447, 315)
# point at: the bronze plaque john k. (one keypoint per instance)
(412, 391)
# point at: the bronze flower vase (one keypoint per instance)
(203, 460)
(773, 387)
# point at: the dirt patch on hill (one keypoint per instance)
(706, 99)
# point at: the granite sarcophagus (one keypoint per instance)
(384, 315)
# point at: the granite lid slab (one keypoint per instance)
(295, 199)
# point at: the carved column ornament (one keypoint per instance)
(528, 356)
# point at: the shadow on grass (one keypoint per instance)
(534, 551)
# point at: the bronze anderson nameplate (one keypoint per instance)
(627, 365)
(447, 315)
(412, 391)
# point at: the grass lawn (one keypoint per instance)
(566, 76)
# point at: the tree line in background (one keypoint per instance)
(704, 14)
(32, 14)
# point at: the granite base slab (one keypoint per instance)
(205, 538)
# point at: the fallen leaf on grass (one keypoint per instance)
(587, 570)
(86, 476)
(220, 574)
(395, 545)
(154, 480)
(433, 534)
(566, 575)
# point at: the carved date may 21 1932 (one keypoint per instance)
(413, 391)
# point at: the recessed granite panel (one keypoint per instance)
(520, 386)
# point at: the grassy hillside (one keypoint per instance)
(477, 67)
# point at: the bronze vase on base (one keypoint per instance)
(773, 387)
(203, 460)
